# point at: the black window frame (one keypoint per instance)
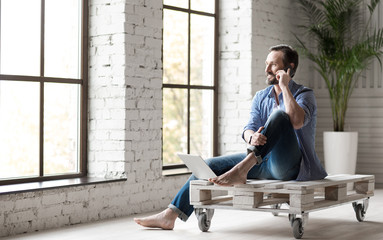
(189, 87)
(82, 81)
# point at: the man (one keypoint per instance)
(280, 134)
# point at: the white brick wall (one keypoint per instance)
(235, 72)
(107, 87)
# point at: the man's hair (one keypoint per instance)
(289, 56)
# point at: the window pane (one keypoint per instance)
(202, 50)
(177, 3)
(201, 122)
(61, 128)
(175, 50)
(203, 5)
(174, 124)
(19, 129)
(20, 37)
(62, 42)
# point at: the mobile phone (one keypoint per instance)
(291, 70)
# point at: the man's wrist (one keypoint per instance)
(284, 88)
(249, 142)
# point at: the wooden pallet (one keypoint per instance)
(301, 197)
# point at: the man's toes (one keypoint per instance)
(215, 180)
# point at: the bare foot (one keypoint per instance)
(230, 178)
(164, 220)
(238, 174)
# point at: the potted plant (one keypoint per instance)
(344, 46)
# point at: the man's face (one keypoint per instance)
(273, 64)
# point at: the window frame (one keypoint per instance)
(190, 87)
(83, 118)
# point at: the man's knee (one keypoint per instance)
(279, 115)
(280, 118)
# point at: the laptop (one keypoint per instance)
(197, 165)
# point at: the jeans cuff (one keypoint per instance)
(252, 148)
(181, 215)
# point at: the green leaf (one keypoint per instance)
(373, 4)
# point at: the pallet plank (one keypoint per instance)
(200, 195)
(214, 200)
(256, 183)
(231, 188)
(320, 204)
(365, 187)
(278, 185)
(298, 199)
(329, 181)
(247, 200)
(201, 182)
(336, 193)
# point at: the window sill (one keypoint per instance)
(176, 172)
(53, 184)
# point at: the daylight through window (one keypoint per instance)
(42, 89)
(189, 79)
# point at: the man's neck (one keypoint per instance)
(277, 90)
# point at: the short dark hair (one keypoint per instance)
(289, 56)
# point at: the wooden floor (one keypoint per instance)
(333, 223)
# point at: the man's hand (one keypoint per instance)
(258, 139)
(283, 78)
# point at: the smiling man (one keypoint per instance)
(280, 136)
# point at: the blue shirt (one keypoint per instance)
(263, 105)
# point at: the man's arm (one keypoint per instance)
(295, 112)
(255, 120)
(247, 134)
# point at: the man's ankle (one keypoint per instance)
(170, 213)
(256, 155)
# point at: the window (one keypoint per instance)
(189, 79)
(43, 89)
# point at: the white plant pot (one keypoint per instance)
(340, 152)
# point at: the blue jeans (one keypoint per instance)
(281, 160)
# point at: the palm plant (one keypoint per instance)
(345, 45)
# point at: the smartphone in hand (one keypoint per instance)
(291, 70)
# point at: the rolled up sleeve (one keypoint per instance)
(306, 100)
(254, 122)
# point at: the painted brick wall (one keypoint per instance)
(107, 88)
(235, 72)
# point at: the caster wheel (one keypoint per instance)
(276, 206)
(297, 228)
(203, 223)
(291, 219)
(359, 212)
